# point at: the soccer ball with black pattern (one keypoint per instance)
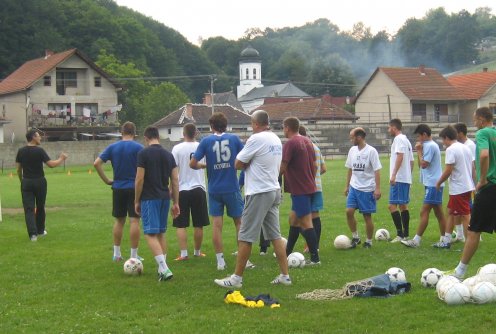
(133, 267)
(396, 274)
(430, 277)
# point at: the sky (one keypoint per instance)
(196, 19)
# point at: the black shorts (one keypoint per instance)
(123, 203)
(483, 217)
(194, 201)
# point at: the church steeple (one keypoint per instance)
(250, 70)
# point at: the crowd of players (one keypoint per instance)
(148, 181)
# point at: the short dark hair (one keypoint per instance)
(302, 130)
(485, 113)
(423, 128)
(151, 132)
(292, 123)
(448, 132)
(359, 133)
(396, 122)
(218, 122)
(189, 130)
(128, 129)
(30, 134)
(461, 127)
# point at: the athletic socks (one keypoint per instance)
(461, 269)
(162, 266)
(220, 259)
(184, 253)
(311, 238)
(405, 220)
(447, 238)
(117, 251)
(294, 233)
(355, 234)
(397, 223)
(134, 253)
(459, 231)
(197, 252)
(417, 238)
(318, 229)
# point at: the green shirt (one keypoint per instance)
(486, 140)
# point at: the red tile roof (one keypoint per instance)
(31, 71)
(418, 84)
(306, 109)
(474, 85)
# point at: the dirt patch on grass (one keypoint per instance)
(15, 211)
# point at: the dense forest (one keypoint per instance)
(162, 70)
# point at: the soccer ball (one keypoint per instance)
(296, 260)
(430, 277)
(471, 282)
(483, 292)
(443, 284)
(133, 267)
(342, 242)
(457, 294)
(487, 273)
(396, 274)
(382, 234)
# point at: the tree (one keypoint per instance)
(331, 75)
(161, 101)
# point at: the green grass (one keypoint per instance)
(67, 282)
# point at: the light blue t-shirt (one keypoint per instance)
(432, 155)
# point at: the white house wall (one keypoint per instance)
(15, 111)
(489, 97)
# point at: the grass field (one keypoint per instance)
(67, 282)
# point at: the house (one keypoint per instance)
(222, 98)
(251, 92)
(171, 126)
(479, 90)
(412, 94)
(63, 94)
(308, 111)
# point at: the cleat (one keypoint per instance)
(367, 244)
(452, 272)
(234, 253)
(310, 263)
(228, 283)
(42, 234)
(181, 258)
(200, 255)
(397, 239)
(355, 242)
(221, 266)
(263, 253)
(117, 258)
(249, 265)
(165, 276)
(410, 243)
(33, 238)
(441, 245)
(281, 280)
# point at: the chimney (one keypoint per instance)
(189, 111)
(48, 53)
(208, 99)
(422, 69)
(484, 69)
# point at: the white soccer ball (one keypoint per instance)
(457, 294)
(396, 274)
(483, 292)
(133, 267)
(470, 282)
(487, 273)
(444, 283)
(342, 242)
(382, 235)
(430, 277)
(295, 260)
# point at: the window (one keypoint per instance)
(441, 112)
(86, 109)
(418, 111)
(169, 131)
(254, 73)
(98, 81)
(247, 74)
(65, 79)
(47, 80)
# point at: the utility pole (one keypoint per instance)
(212, 79)
(389, 107)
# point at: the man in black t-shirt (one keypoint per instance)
(156, 167)
(29, 162)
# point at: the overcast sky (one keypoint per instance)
(231, 18)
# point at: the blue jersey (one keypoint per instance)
(124, 157)
(220, 152)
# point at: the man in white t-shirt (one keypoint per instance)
(459, 169)
(363, 185)
(192, 195)
(400, 179)
(261, 160)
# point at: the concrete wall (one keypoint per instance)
(15, 111)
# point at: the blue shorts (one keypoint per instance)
(232, 201)
(399, 193)
(301, 205)
(317, 201)
(432, 196)
(154, 215)
(364, 201)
